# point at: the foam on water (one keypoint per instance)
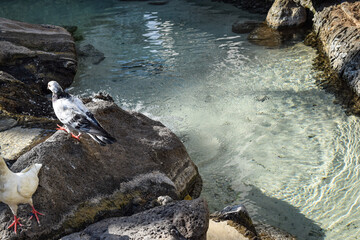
(252, 119)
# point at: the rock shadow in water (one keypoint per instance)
(275, 212)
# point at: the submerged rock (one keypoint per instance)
(83, 182)
(264, 35)
(176, 221)
(33, 55)
(7, 123)
(245, 27)
(88, 54)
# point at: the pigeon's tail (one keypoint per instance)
(103, 139)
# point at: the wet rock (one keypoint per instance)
(286, 13)
(88, 54)
(267, 232)
(265, 36)
(338, 29)
(270, 37)
(34, 55)
(245, 27)
(7, 123)
(176, 221)
(83, 182)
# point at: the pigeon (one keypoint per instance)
(72, 112)
(18, 188)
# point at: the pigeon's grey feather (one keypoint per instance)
(72, 112)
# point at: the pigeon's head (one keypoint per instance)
(54, 87)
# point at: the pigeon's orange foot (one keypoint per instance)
(15, 223)
(35, 213)
(77, 137)
(61, 128)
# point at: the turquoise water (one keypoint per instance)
(252, 119)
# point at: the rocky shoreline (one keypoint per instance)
(89, 191)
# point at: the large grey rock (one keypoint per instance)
(35, 54)
(175, 221)
(286, 13)
(338, 28)
(82, 182)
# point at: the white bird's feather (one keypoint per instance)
(18, 188)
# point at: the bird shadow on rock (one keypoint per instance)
(280, 214)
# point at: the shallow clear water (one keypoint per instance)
(252, 119)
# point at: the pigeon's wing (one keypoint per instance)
(86, 112)
(72, 112)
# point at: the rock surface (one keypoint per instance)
(83, 182)
(238, 217)
(338, 28)
(286, 13)
(176, 221)
(7, 123)
(33, 55)
(19, 100)
(17, 140)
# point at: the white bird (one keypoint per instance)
(18, 188)
(71, 111)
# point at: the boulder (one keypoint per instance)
(34, 55)
(83, 182)
(338, 29)
(286, 13)
(238, 217)
(176, 221)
